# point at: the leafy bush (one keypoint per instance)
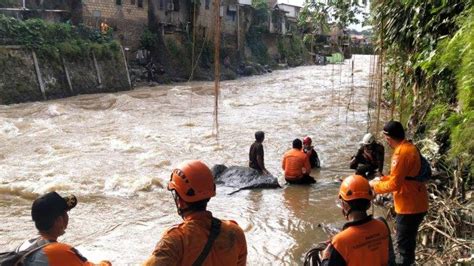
(53, 39)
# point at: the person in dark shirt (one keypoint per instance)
(256, 154)
(369, 158)
(312, 154)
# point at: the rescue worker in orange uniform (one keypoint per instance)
(50, 214)
(311, 153)
(296, 165)
(363, 240)
(410, 196)
(200, 239)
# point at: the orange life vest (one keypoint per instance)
(409, 196)
(293, 163)
(364, 243)
(182, 244)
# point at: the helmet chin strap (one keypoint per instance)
(344, 212)
(181, 211)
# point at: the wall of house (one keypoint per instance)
(27, 76)
(128, 18)
(171, 15)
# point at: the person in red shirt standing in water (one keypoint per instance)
(200, 239)
(311, 153)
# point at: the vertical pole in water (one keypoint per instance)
(380, 87)
(38, 74)
(193, 63)
(217, 75)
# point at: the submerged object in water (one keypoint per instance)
(242, 177)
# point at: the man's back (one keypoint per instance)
(182, 244)
(256, 150)
(293, 162)
(364, 242)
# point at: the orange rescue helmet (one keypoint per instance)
(192, 181)
(307, 140)
(355, 187)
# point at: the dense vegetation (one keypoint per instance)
(53, 39)
(426, 51)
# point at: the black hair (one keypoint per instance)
(394, 129)
(297, 144)
(259, 136)
(359, 205)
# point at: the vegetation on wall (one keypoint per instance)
(53, 39)
(258, 26)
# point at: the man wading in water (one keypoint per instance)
(256, 155)
(296, 165)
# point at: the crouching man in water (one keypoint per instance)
(201, 239)
(369, 158)
(296, 165)
(50, 214)
(363, 240)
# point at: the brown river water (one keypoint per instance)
(115, 152)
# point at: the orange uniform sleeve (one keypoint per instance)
(393, 181)
(168, 251)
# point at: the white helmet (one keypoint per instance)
(367, 139)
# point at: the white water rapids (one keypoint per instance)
(115, 152)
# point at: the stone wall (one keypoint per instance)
(50, 78)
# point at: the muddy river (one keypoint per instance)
(115, 152)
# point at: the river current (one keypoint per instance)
(115, 152)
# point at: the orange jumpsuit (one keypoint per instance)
(410, 197)
(293, 163)
(183, 243)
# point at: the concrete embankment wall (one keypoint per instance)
(26, 76)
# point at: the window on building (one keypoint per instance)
(207, 3)
(140, 3)
(118, 2)
(162, 4)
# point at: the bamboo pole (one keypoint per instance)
(38, 74)
(217, 76)
(379, 91)
(68, 77)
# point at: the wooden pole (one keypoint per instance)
(68, 78)
(38, 74)
(126, 67)
(380, 88)
(217, 75)
(99, 80)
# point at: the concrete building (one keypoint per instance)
(284, 15)
(127, 18)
